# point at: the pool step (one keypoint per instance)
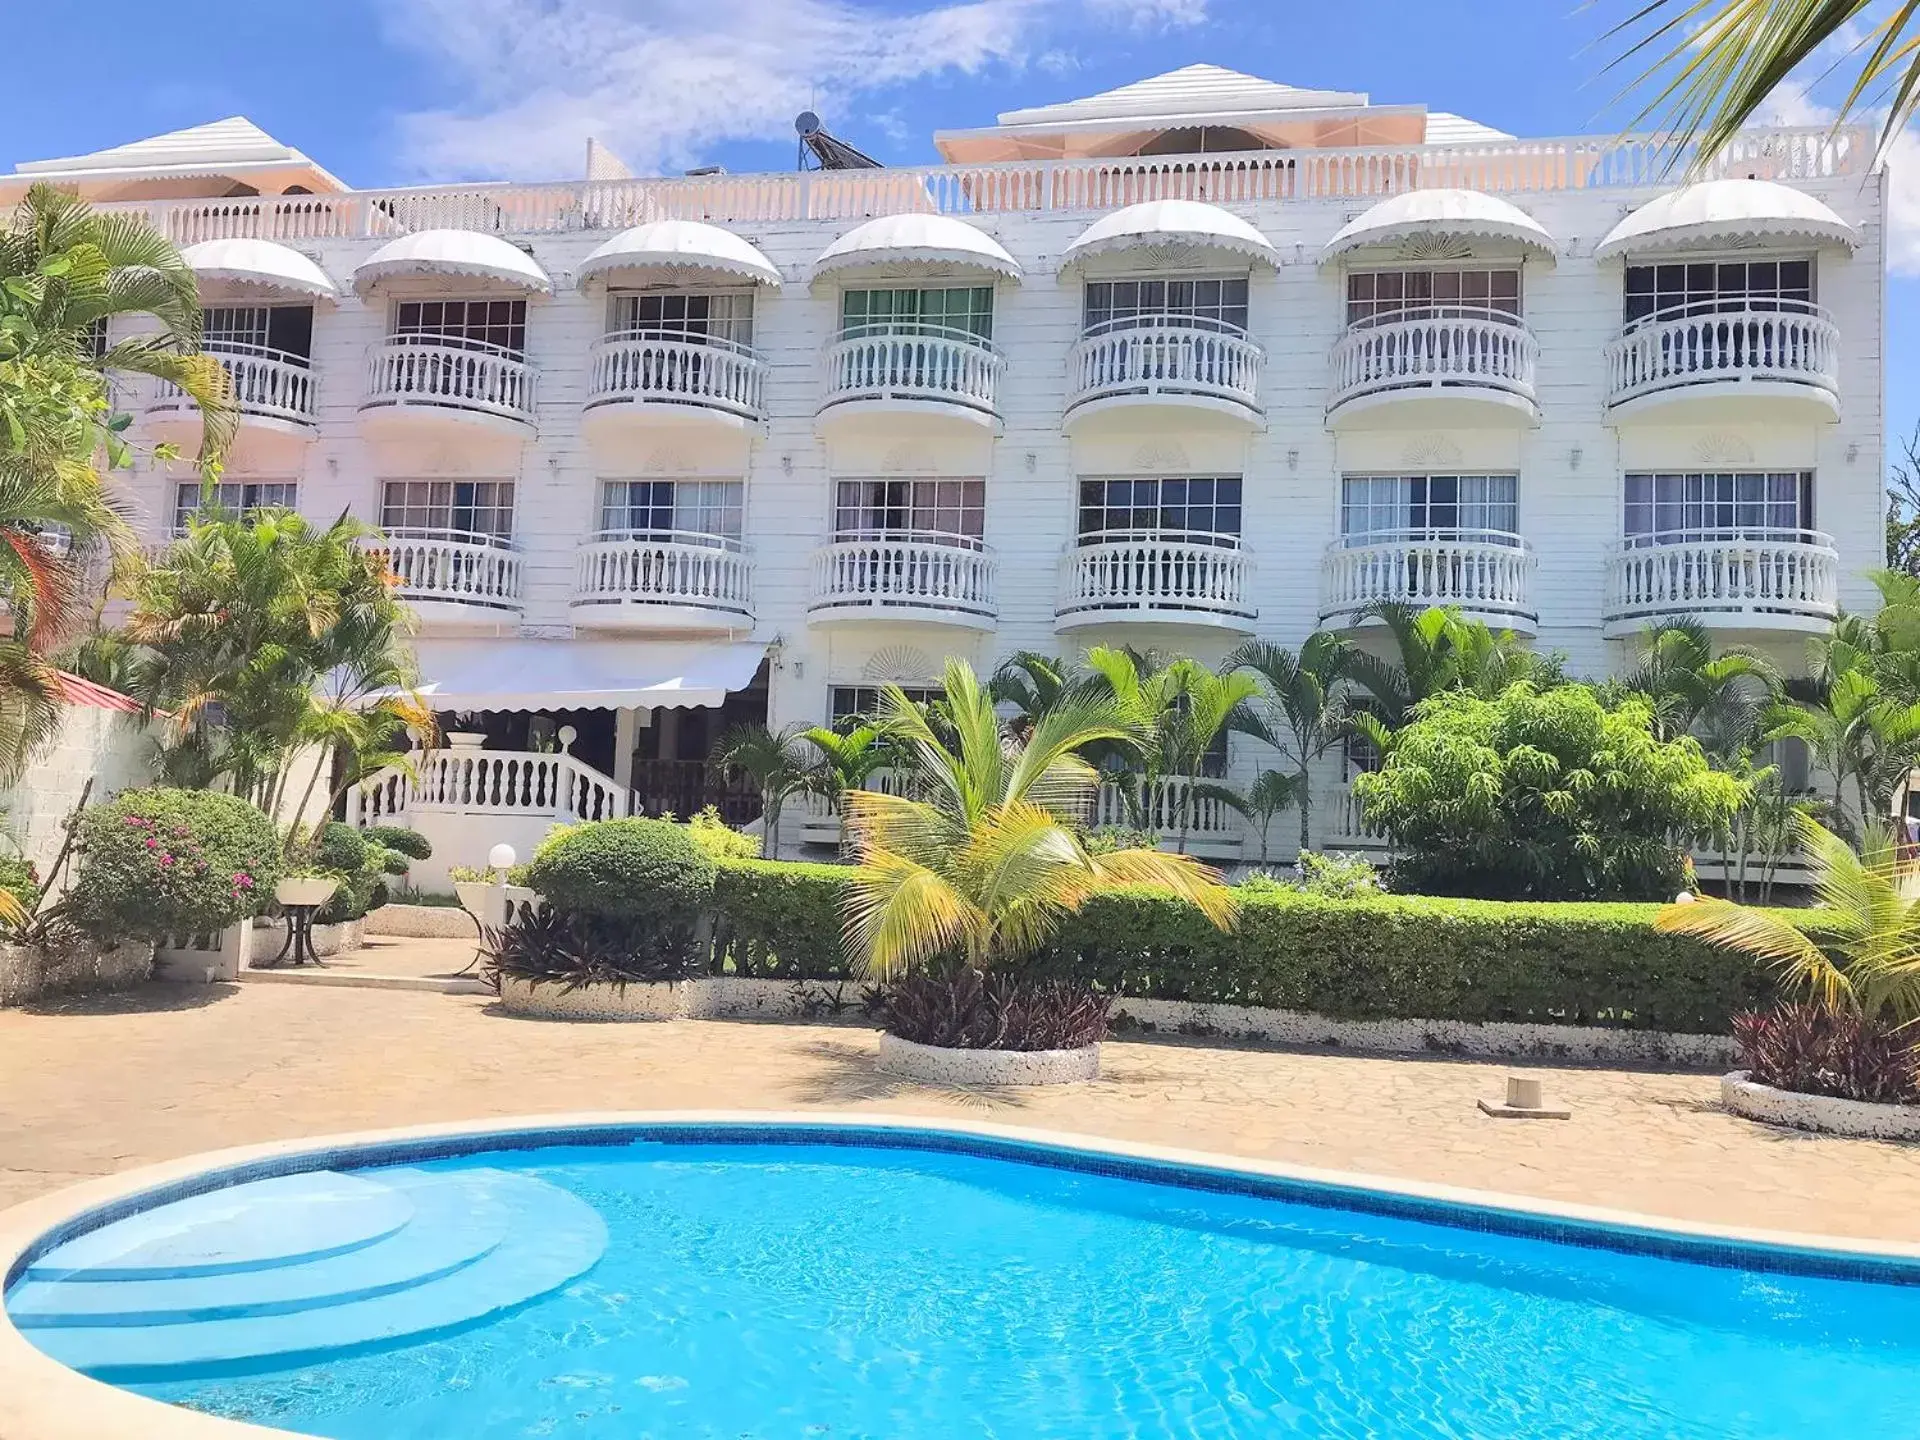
(477, 1242)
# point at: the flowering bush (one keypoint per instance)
(154, 864)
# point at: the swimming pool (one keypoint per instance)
(807, 1280)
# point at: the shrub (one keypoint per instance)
(647, 873)
(155, 864)
(1543, 794)
(410, 844)
(339, 848)
(974, 1010)
(360, 865)
(544, 947)
(1816, 1050)
(1337, 877)
(719, 840)
(780, 920)
(20, 879)
(1105, 839)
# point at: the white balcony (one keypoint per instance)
(677, 580)
(273, 390)
(1434, 366)
(487, 782)
(1185, 363)
(419, 384)
(1201, 826)
(640, 380)
(928, 371)
(945, 579)
(1728, 361)
(1341, 824)
(1125, 577)
(1736, 579)
(1486, 574)
(454, 577)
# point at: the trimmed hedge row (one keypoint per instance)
(1408, 957)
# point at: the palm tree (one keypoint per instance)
(1303, 712)
(1436, 650)
(778, 764)
(1209, 704)
(1272, 792)
(1867, 958)
(981, 867)
(1032, 683)
(1719, 698)
(1716, 62)
(1860, 731)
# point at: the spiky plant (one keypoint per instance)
(775, 762)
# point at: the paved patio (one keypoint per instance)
(96, 1085)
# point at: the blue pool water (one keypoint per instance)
(695, 1289)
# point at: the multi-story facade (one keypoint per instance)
(1195, 360)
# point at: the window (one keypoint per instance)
(1412, 294)
(874, 312)
(235, 496)
(285, 332)
(1203, 508)
(863, 701)
(453, 509)
(944, 511)
(1371, 505)
(95, 345)
(726, 318)
(1124, 303)
(472, 324)
(1663, 508)
(671, 509)
(1711, 286)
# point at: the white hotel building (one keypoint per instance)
(1202, 358)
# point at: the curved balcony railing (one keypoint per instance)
(432, 370)
(274, 384)
(1127, 572)
(929, 362)
(669, 568)
(1169, 810)
(913, 571)
(1434, 348)
(452, 567)
(1488, 572)
(1161, 355)
(1789, 574)
(487, 782)
(1721, 342)
(657, 368)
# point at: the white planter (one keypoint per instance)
(942, 1065)
(341, 938)
(640, 1000)
(489, 903)
(466, 739)
(1829, 1114)
(205, 959)
(305, 890)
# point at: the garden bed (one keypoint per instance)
(713, 997)
(1828, 1114)
(945, 1065)
(73, 966)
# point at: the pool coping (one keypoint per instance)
(47, 1401)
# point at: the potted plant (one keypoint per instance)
(467, 732)
(959, 887)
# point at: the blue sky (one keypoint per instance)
(397, 91)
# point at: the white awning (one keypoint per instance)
(682, 247)
(1465, 213)
(259, 262)
(927, 239)
(1171, 222)
(475, 673)
(453, 252)
(1726, 212)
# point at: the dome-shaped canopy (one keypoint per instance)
(1170, 222)
(259, 262)
(453, 252)
(1721, 212)
(1466, 213)
(926, 238)
(682, 246)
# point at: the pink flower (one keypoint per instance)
(152, 844)
(166, 859)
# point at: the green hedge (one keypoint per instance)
(1390, 957)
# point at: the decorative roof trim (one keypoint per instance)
(1465, 213)
(1159, 223)
(264, 263)
(682, 248)
(1726, 214)
(916, 238)
(453, 252)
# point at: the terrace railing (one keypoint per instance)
(1164, 355)
(673, 370)
(1489, 572)
(679, 568)
(1792, 574)
(452, 567)
(276, 384)
(1780, 340)
(449, 374)
(1439, 347)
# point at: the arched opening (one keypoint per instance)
(1204, 140)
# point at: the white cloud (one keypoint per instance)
(662, 81)
(1791, 105)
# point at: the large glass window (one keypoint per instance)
(282, 332)
(1202, 508)
(1709, 287)
(476, 324)
(1664, 508)
(450, 509)
(862, 702)
(967, 308)
(1485, 506)
(1415, 294)
(725, 317)
(946, 511)
(1123, 303)
(237, 497)
(672, 509)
